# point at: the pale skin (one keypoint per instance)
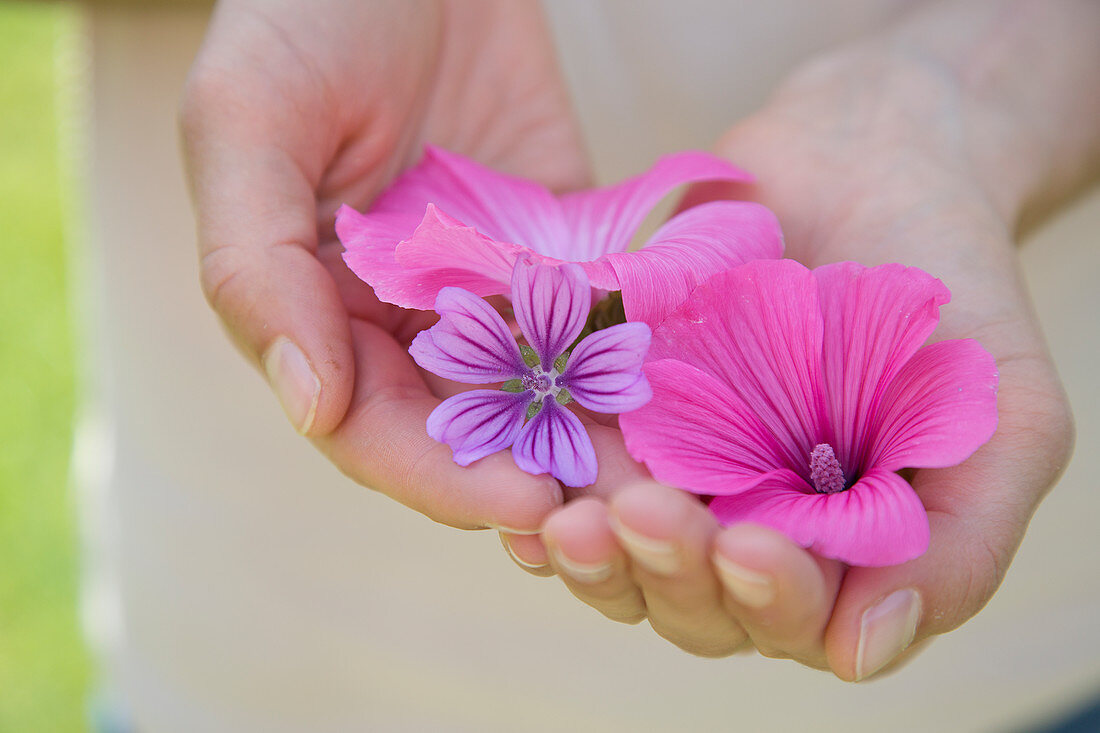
(933, 144)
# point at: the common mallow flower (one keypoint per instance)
(471, 343)
(449, 221)
(793, 397)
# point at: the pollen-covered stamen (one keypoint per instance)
(538, 382)
(825, 470)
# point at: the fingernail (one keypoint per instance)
(885, 630)
(657, 556)
(580, 571)
(512, 530)
(294, 382)
(519, 560)
(748, 587)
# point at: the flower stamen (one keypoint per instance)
(825, 470)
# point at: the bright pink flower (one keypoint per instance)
(472, 344)
(451, 222)
(793, 396)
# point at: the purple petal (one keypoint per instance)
(470, 343)
(757, 329)
(604, 372)
(551, 305)
(875, 320)
(502, 207)
(555, 442)
(478, 423)
(688, 250)
(698, 434)
(879, 521)
(604, 220)
(939, 409)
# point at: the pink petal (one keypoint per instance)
(688, 250)
(698, 434)
(502, 207)
(604, 372)
(470, 343)
(369, 241)
(757, 329)
(443, 252)
(878, 521)
(604, 220)
(555, 442)
(478, 423)
(875, 320)
(939, 409)
(551, 305)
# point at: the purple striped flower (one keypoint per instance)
(472, 344)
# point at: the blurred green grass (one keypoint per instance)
(44, 671)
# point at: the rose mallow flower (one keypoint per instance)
(449, 221)
(794, 396)
(472, 344)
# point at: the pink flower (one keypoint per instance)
(451, 222)
(471, 343)
(794, 396)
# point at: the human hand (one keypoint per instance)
(295, 108)
(864, 156)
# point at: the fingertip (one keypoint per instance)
(581, 532)
(652, 509)
(528, 552)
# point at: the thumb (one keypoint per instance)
(978, 513)
(257, 233)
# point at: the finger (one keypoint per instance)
(383, 444)
(977, 512)
(257, 239)
(667, 535)
(584, 553)
(780, 594)
(616, 466)
(527, 551)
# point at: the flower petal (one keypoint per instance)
(878, 521)
(604, 220)
(939, 409)
(470, 343)
(604, 372)
(441, 252)
(875, 320)
(698, 434)
(757, 329)
(688, 250)
(554, 441)
(369, 241)
(478, 423)
(551, 305)
(502, 207)
(508, 214)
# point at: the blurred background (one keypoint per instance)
(44, 670)
(1046, 614)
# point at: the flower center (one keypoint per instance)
(541, 383)
(825, 470)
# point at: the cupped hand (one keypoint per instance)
(863, 156)
(295, 108)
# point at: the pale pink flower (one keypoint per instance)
(449, 221)
(793, 397)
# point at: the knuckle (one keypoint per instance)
(219, 273)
